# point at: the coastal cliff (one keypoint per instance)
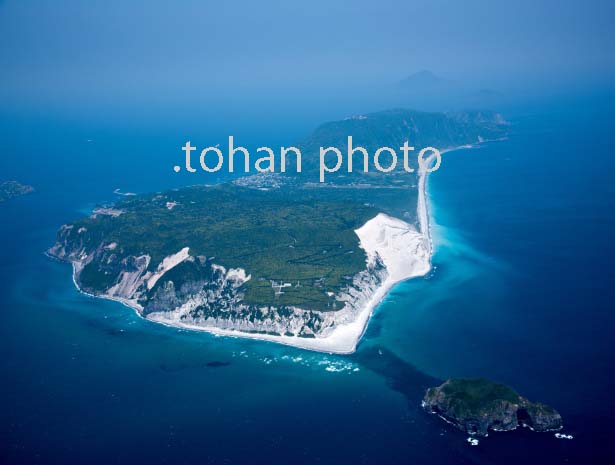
(315, 288)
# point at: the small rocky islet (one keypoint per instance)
(11, 189)
(477, 406)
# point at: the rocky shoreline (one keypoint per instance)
(478, 406)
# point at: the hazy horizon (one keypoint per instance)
(115, 54)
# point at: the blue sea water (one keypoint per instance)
(521, 292)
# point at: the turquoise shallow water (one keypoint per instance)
(520, 292)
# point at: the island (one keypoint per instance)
(478, 406)
(273, 256)
(11, 189)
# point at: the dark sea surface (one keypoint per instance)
(522, 292)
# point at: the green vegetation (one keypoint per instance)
(479, 405)
(469, 396)
(303, 241)
(12, 189)
(392, 128)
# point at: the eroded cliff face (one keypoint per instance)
(477, 406)
(189, 291)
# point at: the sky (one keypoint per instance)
(99, 51)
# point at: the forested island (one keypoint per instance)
(478, 406)
(273, 256)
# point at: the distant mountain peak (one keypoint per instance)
(420, 79)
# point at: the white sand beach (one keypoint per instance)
(406, 253)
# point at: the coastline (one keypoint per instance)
(344, 338)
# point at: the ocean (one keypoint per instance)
(521, 292)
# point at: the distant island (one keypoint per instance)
(271, 256)
(11, 189)
(478, 406)
(421, 81)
